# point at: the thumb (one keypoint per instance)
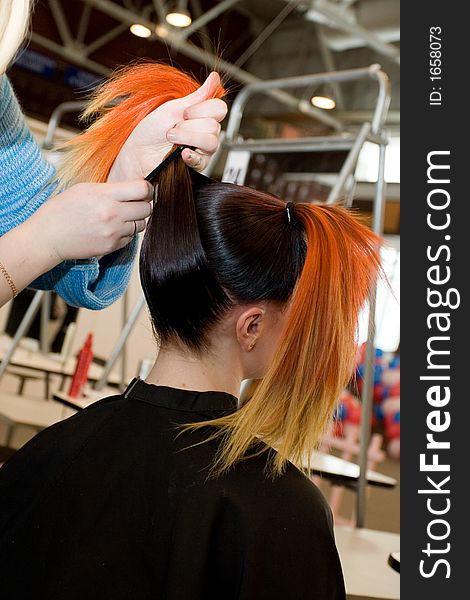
(207, 91)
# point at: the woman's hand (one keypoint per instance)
(88, 219)
(191, 121)
(91, 219)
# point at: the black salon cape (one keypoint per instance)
(112, 504)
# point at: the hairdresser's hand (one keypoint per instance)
(191, 121)
(91, 219)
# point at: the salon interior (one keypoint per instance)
(314, 116)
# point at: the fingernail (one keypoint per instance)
(171, 136)
(190, 156)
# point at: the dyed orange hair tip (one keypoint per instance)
(120, 104)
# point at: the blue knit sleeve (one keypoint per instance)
(25, 184)
(24, 174)
(92, 283)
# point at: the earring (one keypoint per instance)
(251, 346)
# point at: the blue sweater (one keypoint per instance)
(25, 183)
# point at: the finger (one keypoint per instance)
(139, 226)
(134, 211)
(213, 109)
(133, 227)
(199, 125)
(207, 142)
(207, 90)
(129, 190)
(195, 160)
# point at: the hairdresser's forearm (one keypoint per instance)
(25, 256)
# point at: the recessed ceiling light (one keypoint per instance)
(140, 30)
(323, 102)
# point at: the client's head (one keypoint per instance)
(218, 266)
(225, 264)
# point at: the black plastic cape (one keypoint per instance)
(115, 502)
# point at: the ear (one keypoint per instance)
(250, 326)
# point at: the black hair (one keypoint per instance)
(209, 246)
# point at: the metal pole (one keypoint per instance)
(263, 36)
(368, 383)
(308, 144)
(329, 62)
(22, 328)
(209, 15)
(204, 34)
(120, 343)
(366, 412)
(104, 39)
(349, 164)
(359, 116)
(44, 326)
(83, 24)
(160, 9)
(71, 54)
(61, 23)
(383, 101)
(56, 116)
(378, 216)
(338, 20)
(272, 85)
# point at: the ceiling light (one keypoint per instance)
(140, 30)
(179, 17)
(323, 102)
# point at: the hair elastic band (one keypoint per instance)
(290, 210)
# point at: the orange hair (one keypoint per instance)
(121, 102)
(316, 355)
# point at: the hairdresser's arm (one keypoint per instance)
(84, 221)
(23, 259)
(190, 121)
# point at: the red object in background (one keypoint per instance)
(378, 393)
(394, 390)
(80, 375)
(351, 409)
(392, 427)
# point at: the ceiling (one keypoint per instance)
(74, 42)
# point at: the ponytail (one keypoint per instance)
(315, 357)
(173, 264)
